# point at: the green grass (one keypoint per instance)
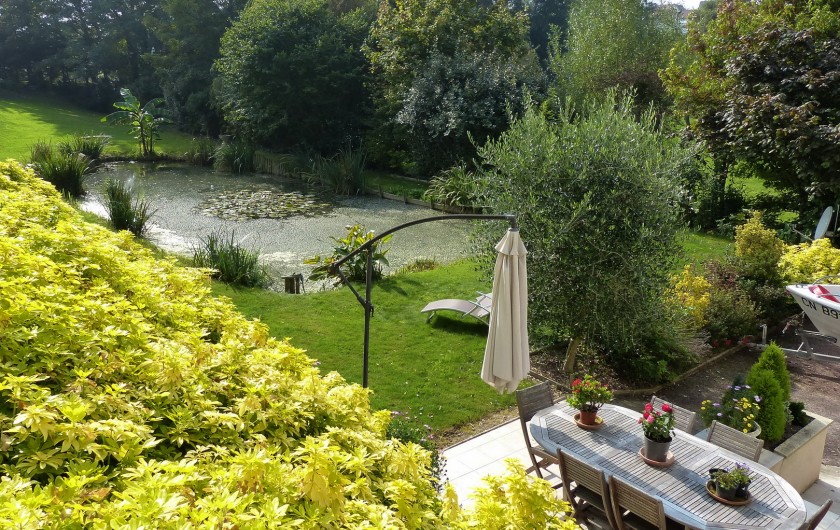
(389, 183)
(699, 248)
(26, 119)
(431, 370)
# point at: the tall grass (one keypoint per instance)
(343, 173)
(124, 211)
(235, 157)
(90, 145)
(201, 152)
(234, 264)
(67, 172)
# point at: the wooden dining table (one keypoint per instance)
(614, 448)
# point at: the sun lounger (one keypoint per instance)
(478, 308)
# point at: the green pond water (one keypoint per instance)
(285, 220)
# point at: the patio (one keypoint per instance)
(469, 461)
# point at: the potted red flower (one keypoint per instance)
(588, 396)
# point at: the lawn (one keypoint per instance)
(25, 120)
(431, 370)
(698, 248)
(428, 369)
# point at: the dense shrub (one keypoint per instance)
(406, 428)
(773, 359)
(758, 250)
(771, 417)
(691, 293)
(231, 263)
(124, 211)
(132, 398)
(730, 315)
(809, 261)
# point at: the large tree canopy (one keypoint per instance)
(614, 42)
(762, 85)
(445, 70)
(292, 72)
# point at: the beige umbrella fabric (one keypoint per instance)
(506, 357)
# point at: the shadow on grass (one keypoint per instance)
(456, 325)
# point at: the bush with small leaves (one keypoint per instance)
(133, 398)
(758, 250)
(809, 261)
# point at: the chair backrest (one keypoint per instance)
(583, 474)
(812, 522)
(637, 502)
(533, 399)
(735, 441)
(683, 418)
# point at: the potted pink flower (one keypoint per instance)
(658, 426)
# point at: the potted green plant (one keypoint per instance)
(738, 408)
(588, 396)
(658, 426)
(731, 484)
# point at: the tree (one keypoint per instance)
(614, 42)
(596, 201)
(189, 32)
(292, 73)
(762, 85)
(141, 119)
(445, 69)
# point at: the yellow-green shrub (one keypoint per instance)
(758, 249)
(130, 397)
(809, 261)
(692, 294)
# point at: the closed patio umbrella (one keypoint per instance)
(506, 357)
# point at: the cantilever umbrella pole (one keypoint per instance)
(368, 247)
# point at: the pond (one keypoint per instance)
(191, 203)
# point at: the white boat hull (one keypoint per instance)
(821, 303)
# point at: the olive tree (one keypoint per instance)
(596, 198)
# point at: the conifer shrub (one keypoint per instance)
(773, 359)
(772, 416)
(130, 397)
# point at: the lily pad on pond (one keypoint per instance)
(250, 203)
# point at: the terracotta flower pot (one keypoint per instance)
(588, 417)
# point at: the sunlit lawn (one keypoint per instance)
(25, 120)
(430, 369)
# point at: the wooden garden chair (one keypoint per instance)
(812, 522)
(735, 441)
(634, 509)
(586, 490)
(683, 418)
(529, 401)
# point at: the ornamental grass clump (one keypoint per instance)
(588, 394)
(131, 397)
(658, 425)
(738, 408)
